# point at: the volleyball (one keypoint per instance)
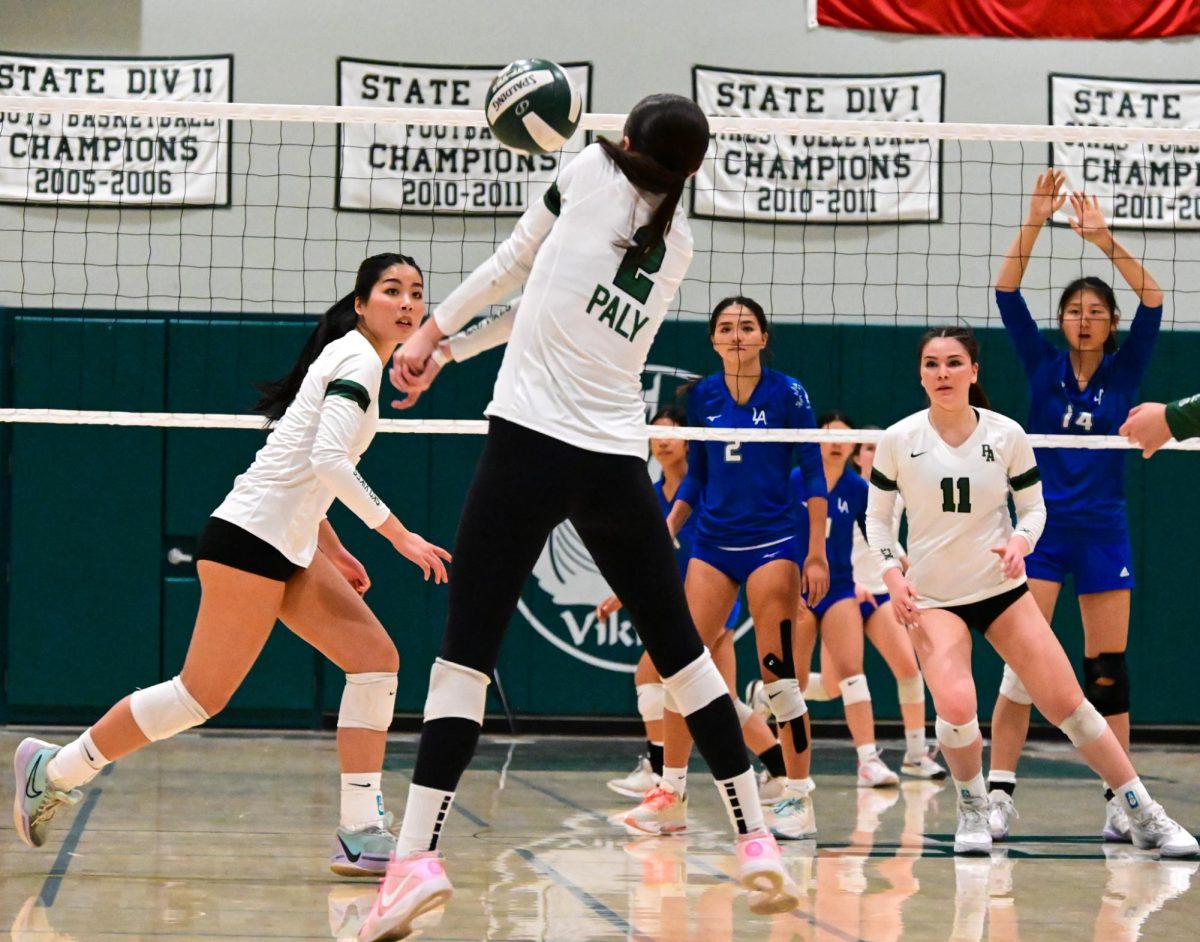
(532, 107)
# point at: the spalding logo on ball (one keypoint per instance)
(532, 107)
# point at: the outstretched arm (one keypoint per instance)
(1047, 199)
(1091, 226)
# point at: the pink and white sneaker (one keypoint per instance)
(761, 871)
(411, 887)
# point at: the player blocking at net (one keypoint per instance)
(268, 553)
(602, 256)
(955, 464)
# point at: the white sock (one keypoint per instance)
(866, 752)
(972, 788)
(424, 815)
(1133, 793)
(362, 800)
(740, 795)
(915, 743)
(76, 763)
(800, 787)
(675, 779)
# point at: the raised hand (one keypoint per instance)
(1089, 222)
(1048, 195)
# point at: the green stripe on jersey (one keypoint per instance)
(881, 482)
(553, 199)
(1028, 479)
(348, 389)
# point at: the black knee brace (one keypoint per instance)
(783, 666)
(1107, 683)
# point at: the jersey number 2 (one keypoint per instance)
(964, 496)
(629, 277)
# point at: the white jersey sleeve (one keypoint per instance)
(881, 505)
(344, 413)
(1026, 483)
(509, 266)
(866, 563)
(484, 335)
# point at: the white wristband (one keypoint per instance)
(439, 357)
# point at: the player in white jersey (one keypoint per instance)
(268, 553)
(601, 258)
(955, 464)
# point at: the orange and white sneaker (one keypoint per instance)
(662, 811)
(760, 870)
(411, 887)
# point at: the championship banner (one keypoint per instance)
(105, 160)
(428, 169)
(1140, 186)
(817, 178)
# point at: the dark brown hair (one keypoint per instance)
(1108, 298)
(748, 303)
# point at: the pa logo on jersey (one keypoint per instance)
(988, 454)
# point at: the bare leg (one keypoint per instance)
(320, 606)
(236, 615)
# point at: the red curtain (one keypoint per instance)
(1061, 19)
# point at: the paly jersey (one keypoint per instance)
(310, 456)
(956, 498)
(742, 490)
(589, 312)
(847, 516)
(1084, 487)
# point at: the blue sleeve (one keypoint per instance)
(697, 473)
(1133, 356)
(1032, 348)
(808, 454)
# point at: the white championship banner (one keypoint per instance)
(1150, 186)
(818, 178)
(102, 160)
(424, 169)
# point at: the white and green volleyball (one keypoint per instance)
(532, 106)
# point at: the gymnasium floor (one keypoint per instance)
(224, 836)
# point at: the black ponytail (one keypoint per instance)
(335, 323)
(668, 138)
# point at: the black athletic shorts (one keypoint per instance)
(228, 544)
(980, 615)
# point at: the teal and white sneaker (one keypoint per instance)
(363, 852)
(794, 819)
(36, 800)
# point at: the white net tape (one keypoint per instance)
(479, 427)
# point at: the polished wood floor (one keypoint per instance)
(225, 836)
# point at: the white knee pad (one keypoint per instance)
(455, 690)
(368, 701)
(855, 690)
(744, 711)
(669, 701)
(165, 710)
(651, 699)
(957, 735)
(1083, 726)
(815, 692)
(787, 702)
(911, 689)
(1011, 687)
(696, 686)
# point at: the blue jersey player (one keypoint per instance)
(838, 614)
(744, 535)
(1086, 389)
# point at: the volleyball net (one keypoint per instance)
(851, 234)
